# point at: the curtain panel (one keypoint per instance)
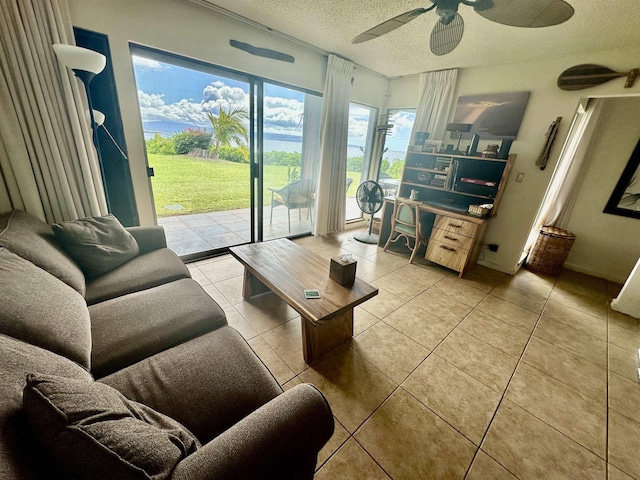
(334, 130)
(434, 103)
(562, 191)
(48, 164)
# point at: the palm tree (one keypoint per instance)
(228, 129)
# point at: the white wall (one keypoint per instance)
(520, 203)
(606, 245)
(193, 31)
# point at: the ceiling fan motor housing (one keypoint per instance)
(446, 10)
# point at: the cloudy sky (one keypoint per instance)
(175, 95)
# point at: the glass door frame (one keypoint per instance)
(256, 133)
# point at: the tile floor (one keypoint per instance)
(195, 233)
(487, 377)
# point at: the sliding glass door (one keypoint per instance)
(290, 150)
(233, 157)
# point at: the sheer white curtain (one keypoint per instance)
(334, 130)
(561, 194)
(48, 164)
(434, 102)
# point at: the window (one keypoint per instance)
(397, 142)
(362, 120)
(225, 146)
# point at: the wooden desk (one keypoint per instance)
(287, 269)
(455, 240)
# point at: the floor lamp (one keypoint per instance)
(99, 118)
(85, 64)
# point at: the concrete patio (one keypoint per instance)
(191, 234)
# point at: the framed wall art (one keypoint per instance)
(625, 199)
(493, 115)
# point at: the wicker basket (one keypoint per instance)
(551, 250)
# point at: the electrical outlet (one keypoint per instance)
(493, 247)
(520, 177)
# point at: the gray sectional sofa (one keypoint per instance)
(135, 373)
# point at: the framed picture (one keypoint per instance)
(625, 199)
(431, 146)
(493, 116)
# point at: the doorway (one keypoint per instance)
(223, 147)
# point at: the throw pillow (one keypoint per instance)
(95, 432)
(97, 244)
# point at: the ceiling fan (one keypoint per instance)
(447, 33)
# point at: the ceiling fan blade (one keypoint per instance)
(445, 38)
(390, 25)
(528, 13)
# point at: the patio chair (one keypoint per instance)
(298, 195)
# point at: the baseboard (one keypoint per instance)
(498, 267)
(594, 273)
(631, 310)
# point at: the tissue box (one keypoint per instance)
(343, 271)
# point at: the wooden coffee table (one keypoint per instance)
(288, 269)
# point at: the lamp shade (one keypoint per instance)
(98, 117)
(79, 58)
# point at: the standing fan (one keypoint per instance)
(447, 33)
(369, 197)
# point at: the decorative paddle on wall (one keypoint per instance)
(262, 52)
(588, 75)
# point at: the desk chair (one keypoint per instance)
(406, 224)
(298, 195)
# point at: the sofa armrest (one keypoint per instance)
(149, 238)
(279, 440)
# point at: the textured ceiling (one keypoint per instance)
(332, 24)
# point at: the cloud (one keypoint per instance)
(153, 107)
(217, 95)
(283, 115)
(146, 63)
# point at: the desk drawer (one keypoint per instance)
(450, 224)
(452, 238)
(446, 255)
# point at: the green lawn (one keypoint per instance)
(202, 185)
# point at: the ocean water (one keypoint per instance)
(288, 146)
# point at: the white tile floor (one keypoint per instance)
(486, 377)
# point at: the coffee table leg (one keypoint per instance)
(320, 339)
(252, 285)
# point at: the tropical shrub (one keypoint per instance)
(160, 145)
(233, 154)
(395, 170)
(187, 140)
(354, 164)
(288, 159)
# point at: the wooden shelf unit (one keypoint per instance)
(456, 237)
(438, 177)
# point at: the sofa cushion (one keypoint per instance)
(135, 326)
(97, 244)
(34, 240)
(142, 272)
(207, 384)
(93, 431)
(38, 308)
(18, 448)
